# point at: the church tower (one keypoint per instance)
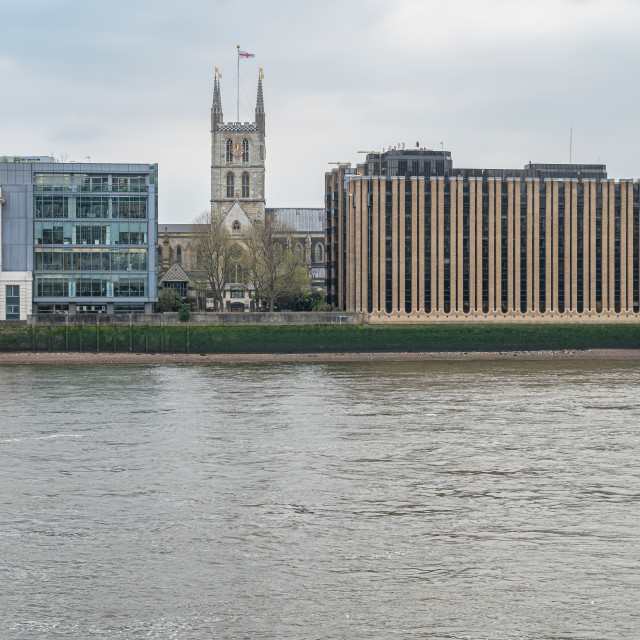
(237, 163)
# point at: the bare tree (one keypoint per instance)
(271, 266)
(217, 254)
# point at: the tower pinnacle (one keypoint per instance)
(216, 107)
(260, 115)
(237, 162)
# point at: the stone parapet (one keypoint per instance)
(497, 317)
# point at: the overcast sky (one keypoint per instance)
(498, 82)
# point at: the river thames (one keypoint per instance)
(348, 501)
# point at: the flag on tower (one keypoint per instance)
(244, 54)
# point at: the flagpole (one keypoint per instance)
(238, 98)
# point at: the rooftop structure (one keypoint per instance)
(428, 162)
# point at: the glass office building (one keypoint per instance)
(91, 231)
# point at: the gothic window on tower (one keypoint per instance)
(235, 227)
(245, 185)
(230, 185)
(245, 150)
(229, 150)
(179, 255)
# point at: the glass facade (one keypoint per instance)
(55, 205)
(92, 233)
(90, 286)
(99, 259)
(54, 232)
(90, 182)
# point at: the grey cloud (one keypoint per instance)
(499, 82)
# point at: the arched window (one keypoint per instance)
(230, 185)
(229, 150)
(159, 255)
(245, 185)
(179, 255)
(245, 150)
(235, 227)
(318, 252)
(298, 252)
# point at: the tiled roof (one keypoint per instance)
(175, 273)
(300, 220)
(180, 228)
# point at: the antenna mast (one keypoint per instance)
(570, 144)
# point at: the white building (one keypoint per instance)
(15, 286)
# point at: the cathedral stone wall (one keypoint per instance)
(238, 154)
(236, 134)
(238, 150)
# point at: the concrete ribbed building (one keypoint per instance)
(548, 243)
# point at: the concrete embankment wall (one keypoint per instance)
(297, 338)
(233, 319)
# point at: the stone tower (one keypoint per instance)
(237, 164)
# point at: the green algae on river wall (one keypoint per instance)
(188, 338)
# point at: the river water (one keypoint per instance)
(343, 501)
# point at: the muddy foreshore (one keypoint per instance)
(56, 358)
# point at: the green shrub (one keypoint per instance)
(185, 312)
(168, 300)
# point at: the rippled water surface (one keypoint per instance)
(339, 501)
